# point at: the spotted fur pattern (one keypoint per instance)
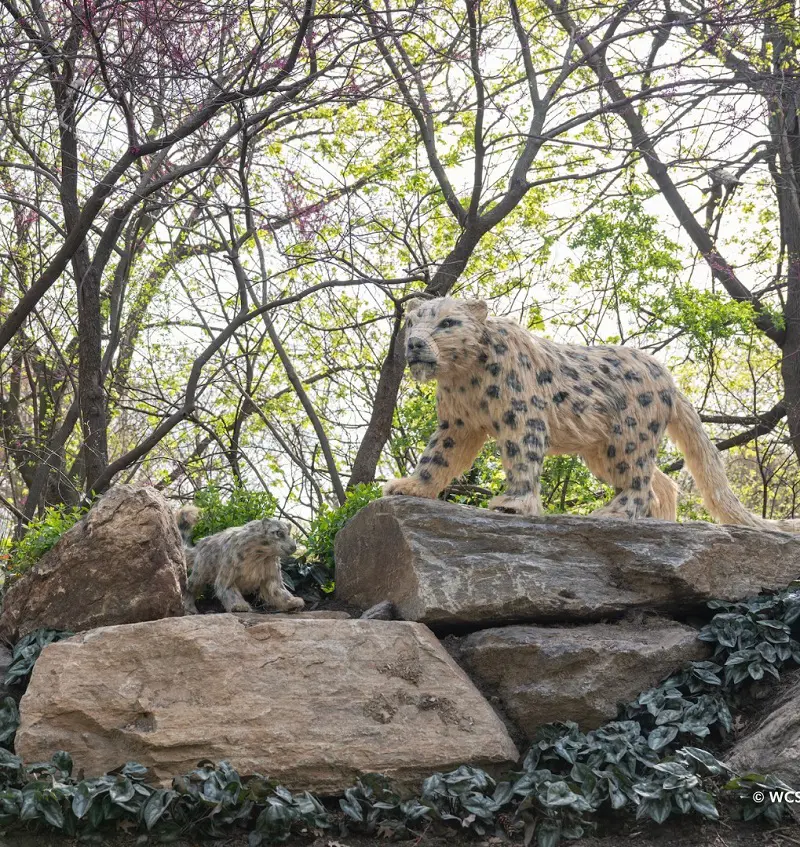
(611, 405)
(237, 561)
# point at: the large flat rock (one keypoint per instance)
(311, 703)
(449, 565)
(582, 673)
(122, 563)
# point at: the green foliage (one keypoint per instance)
(218, 512)
(41, 536)
(9, 721)
(206, 802)
(373, 808)
(568, 775)
(642, 763)
(23, 657)
(466, 796)
(624, 247)
(569, 486)
(319, 543)
(754, 636)
(25, 653)
(744, 787)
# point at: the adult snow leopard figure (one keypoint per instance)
(611, 405)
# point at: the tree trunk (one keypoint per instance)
(789, 204)
(90, 377)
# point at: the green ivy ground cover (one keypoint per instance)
(649, 763)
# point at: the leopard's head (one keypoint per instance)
(277, 536)
(443, 336)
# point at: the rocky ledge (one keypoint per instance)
(453, 566)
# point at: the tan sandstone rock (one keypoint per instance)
(450, 565)
(773, 746)
(122, 563)
(581, 674)
(312, 703)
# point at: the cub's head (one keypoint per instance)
(277, 536)
(442, 335)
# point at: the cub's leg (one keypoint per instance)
(190, 604)
(226, 589)
(523, 441)
(232, 600)
(451, 451)
(274, 593)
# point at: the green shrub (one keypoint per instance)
(41, 536)
(307, 579)
(218, 513)
(321, 535)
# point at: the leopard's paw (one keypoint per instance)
(407, 486)
(527, 505)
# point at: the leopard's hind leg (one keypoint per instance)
(522, 449)
(628, 464)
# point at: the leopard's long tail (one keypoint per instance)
(705, 465)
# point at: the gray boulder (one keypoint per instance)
(582, 674)
(773, 745)
(449, 565)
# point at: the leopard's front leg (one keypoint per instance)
(450, 451)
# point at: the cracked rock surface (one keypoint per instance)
(581, 673)
(313, 703)
(452, 566)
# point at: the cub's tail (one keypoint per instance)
(707, 470)
(186, 517)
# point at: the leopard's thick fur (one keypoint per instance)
(611, 405)
(237, 561)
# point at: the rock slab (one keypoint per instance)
(582, 673)
(311, 703)
(449, 565)
(122, 563)
(773, 747)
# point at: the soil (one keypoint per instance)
(688, 832)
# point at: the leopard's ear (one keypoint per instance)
(413, 304)
(478, 309)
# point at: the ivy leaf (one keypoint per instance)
(51, 811)
(703, 803)
(661, 737)
(156, 805)
(707, 676)
(548, 834)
